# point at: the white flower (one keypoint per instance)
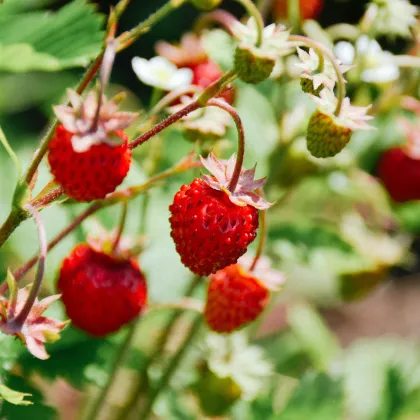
(352, 117)
(161, 73)
(275, 37)
(309, 64)
(377, 66)
(394, 17)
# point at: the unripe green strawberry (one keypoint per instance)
(206, 4)
(325, 138)
(251, 65)
(307, 86)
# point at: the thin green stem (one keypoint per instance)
(216, 87)
(172, 97)
(160, 346)
(294, 13)
(241, 140)
(341, 83)
(171, 368)
(262, 238)
(120, 226)
(127, 38)
(33, 294)
(11, 152)
(95, 410)
(253, 11)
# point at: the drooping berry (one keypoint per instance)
(309, 9)
(324, 137)
(88, 175)
(400, 173)
(89, 154)
(101, 293)
(212, 227)
(253, 66)
(236, 296)
(331, 126)
(307, 86)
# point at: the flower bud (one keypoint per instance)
(206, 4)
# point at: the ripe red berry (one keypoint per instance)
(207, 72)
(101, 293)
(309, 9)
(209, 231)
(400, 174)
(234, 299)
(92, 174)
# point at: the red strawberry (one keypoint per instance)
(309, 9)
(400, 174)
(237, 296)
(101, 293)
(207, 72)
(92, 174)
(89, 154)
(211, 227)
(190, 53)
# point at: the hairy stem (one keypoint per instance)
(120, 226)
(127, 38)
(21, 317)
(341, 83)
(171, 368)
(262, 238)
(241, 140)
(164, 124)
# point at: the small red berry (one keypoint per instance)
(309, 9)
(234, 299)
(101, 293)
(92, 174)
(400, 174)
(207, 72)
(211, 226)
(209, 231)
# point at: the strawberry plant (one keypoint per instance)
(207, 219)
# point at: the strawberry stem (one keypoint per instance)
(19, 320)
(341, 83)
(226, 19)
(160, 347)
(171, 367)
(262, 238)
(120, 227)
(220, 103)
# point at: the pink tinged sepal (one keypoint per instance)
(244, 194)
(37, 329)
(80, 119)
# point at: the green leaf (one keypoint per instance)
(316, 338)
(70, 37)
(317, 397)
(14, 397)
